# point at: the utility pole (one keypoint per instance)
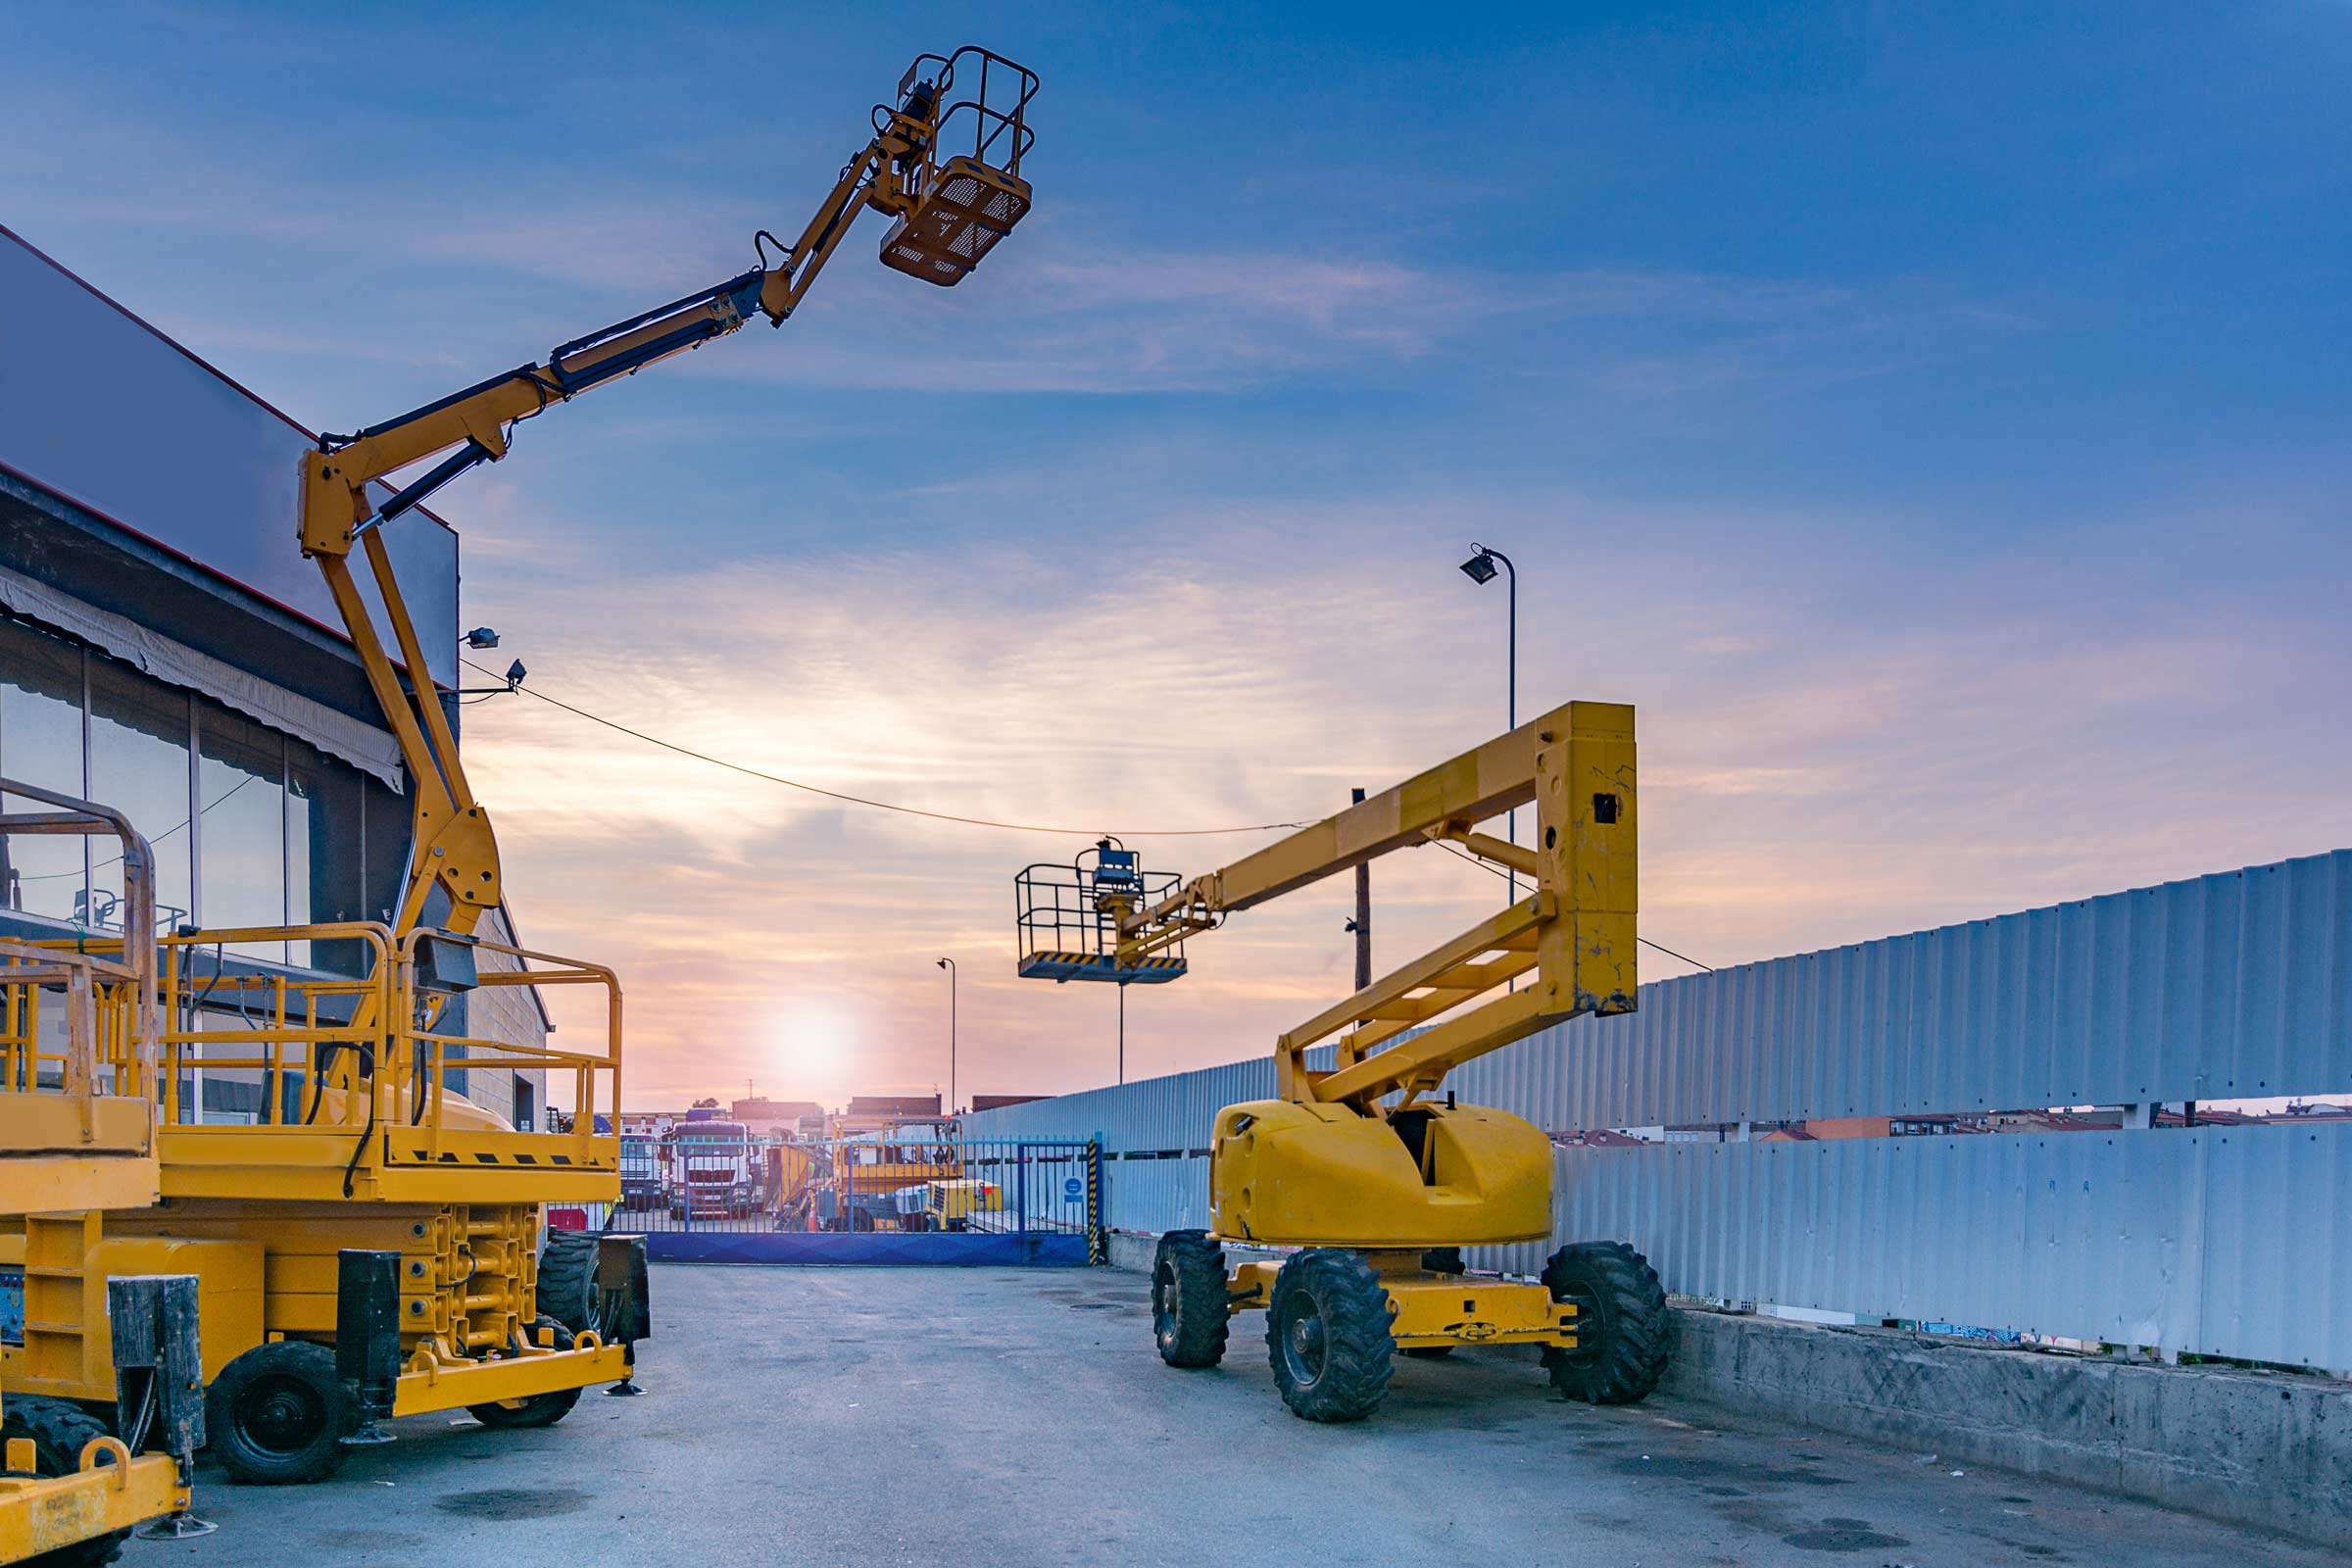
(949, 964)
(1361, 925)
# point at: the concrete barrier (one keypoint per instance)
(2263, 1449)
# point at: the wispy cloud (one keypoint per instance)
(1832, 785)
(1057, 312)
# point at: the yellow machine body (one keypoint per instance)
(77, 1128)
(1431, 1309)
(1286, 1174)
(469, 1275)
(67, 1259)
(1374, 1175)
(113, 1489)
(393, 1160)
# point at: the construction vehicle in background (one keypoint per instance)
(78, 1129)
(1376, 1180)
(372, 1248)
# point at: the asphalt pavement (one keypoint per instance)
(942, 1417)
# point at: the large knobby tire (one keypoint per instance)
(540, 1409)
(567, 1279)
(1189, 1318)
(1326, 1334)
(1623, 1337)
(277, 1415)
(59, 1432)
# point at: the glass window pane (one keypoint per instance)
(322, 852)
(240, 769)
(386, 873)
(40, 743)
(139, 766)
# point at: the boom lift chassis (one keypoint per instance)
(1362, 1166)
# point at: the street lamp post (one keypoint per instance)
(949, 964)
(1480, 569)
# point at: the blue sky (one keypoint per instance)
(1934, 422)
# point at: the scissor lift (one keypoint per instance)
(363, 1150)
(76, 1128)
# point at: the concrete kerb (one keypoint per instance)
(2267, 1449)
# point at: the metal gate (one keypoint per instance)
(710, 1193)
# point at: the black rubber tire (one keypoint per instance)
(1430, 1353)
(1190, 1320)
(1444, 1261)
(567, 1279)
(1326, 1334)
(540, 1409)
(59, 1432)
(277, 1414)
(1624, 1338)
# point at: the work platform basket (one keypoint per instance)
(1066, 918)
(963, 205)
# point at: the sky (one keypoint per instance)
(1934, 420)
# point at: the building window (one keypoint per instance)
(250, 828)
(40, 743)
(240, 787)
(139, 732)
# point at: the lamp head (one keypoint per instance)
(481, 637)
(1480, 567)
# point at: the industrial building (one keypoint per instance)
(165, 651)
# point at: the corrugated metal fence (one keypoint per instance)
(2216, 1240)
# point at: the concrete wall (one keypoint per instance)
(2272, 1449)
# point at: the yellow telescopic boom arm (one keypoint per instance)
(951, 210)
(1576, 931)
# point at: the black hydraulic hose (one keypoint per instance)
(368, 1072)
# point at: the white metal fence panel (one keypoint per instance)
(2232, 986)
(2218, 1241)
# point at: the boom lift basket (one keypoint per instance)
(963, 206)
(1067, 918)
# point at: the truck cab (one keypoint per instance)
(640, 1171)
(711, 1173)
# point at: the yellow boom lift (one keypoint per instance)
(371, 1248)
(1377, 1180)
(77, 1129)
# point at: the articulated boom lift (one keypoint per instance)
(950, 213)
(372, 1248)
(1361, 1165)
